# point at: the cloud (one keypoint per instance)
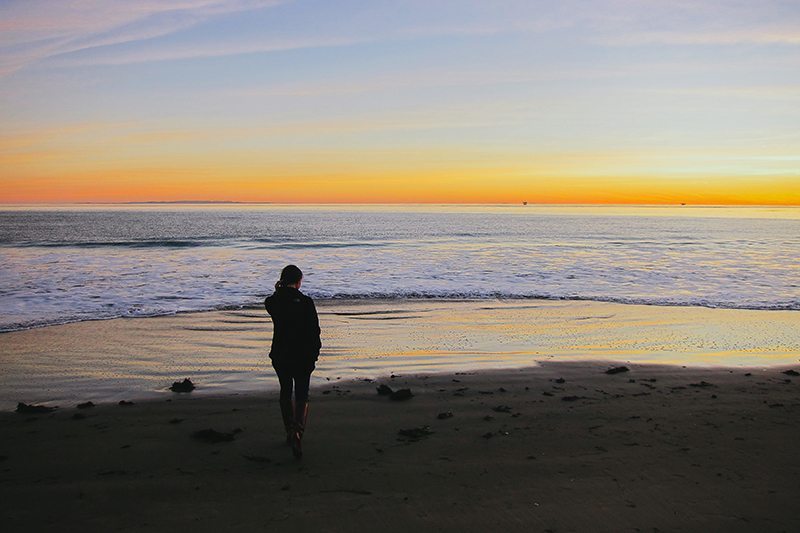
(766, 36)
(119, 32)
(155, 52)
(33, 30)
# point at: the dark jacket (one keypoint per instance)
(295, 337)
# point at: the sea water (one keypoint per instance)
(69, 263)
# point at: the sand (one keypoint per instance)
(658, 448)
(108, 360)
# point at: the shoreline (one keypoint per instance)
(226, 351)
(353, 300)
(562, 446)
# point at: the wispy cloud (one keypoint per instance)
(775, 35)
(155, 52)
(33, 30)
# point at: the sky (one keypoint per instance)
(562, 101)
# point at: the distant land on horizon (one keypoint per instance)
(180, 202)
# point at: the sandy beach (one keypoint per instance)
(226, 351)
(558, 447)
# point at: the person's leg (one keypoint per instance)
(302, 381)
(287, 408)
(301, 385)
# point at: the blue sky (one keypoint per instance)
(530, 90)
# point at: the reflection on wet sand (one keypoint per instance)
(225, 351)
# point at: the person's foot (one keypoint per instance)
(296, 443)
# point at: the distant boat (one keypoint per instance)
(524, 203)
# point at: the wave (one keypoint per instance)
(792, 305)
(149, 243)
(190, 243)
(303, 245)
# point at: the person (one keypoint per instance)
(295, 349)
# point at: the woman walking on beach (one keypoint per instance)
(295, 349)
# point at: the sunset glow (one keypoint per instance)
(622, 102)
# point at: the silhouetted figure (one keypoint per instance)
(295, 349)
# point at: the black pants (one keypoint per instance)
(294, 379)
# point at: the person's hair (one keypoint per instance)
(290, 275)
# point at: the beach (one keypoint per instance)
(226, 351)
(697, 435)
(506, 318)
(556, 447)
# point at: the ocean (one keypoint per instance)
(61, 264)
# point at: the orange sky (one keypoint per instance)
(307, 101)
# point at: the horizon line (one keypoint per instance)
(521, 204)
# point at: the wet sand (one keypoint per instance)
(226, 351)
(558, 447)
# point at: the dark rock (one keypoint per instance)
(748, 374)
(791, 372)
(501, 409)
(85, 405)
(384, 390)
(488, 435)
(176, 421)
(125, 402)
(445, 415)
(617, 370)
(78, 416)
(545, 393)
(401, 395)
(414, 434)
(560, 380)
(212, 435)
(572, 398)
(182, 386)
(702, 384)
(488, 418)
(30, 409)
(502, 389)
